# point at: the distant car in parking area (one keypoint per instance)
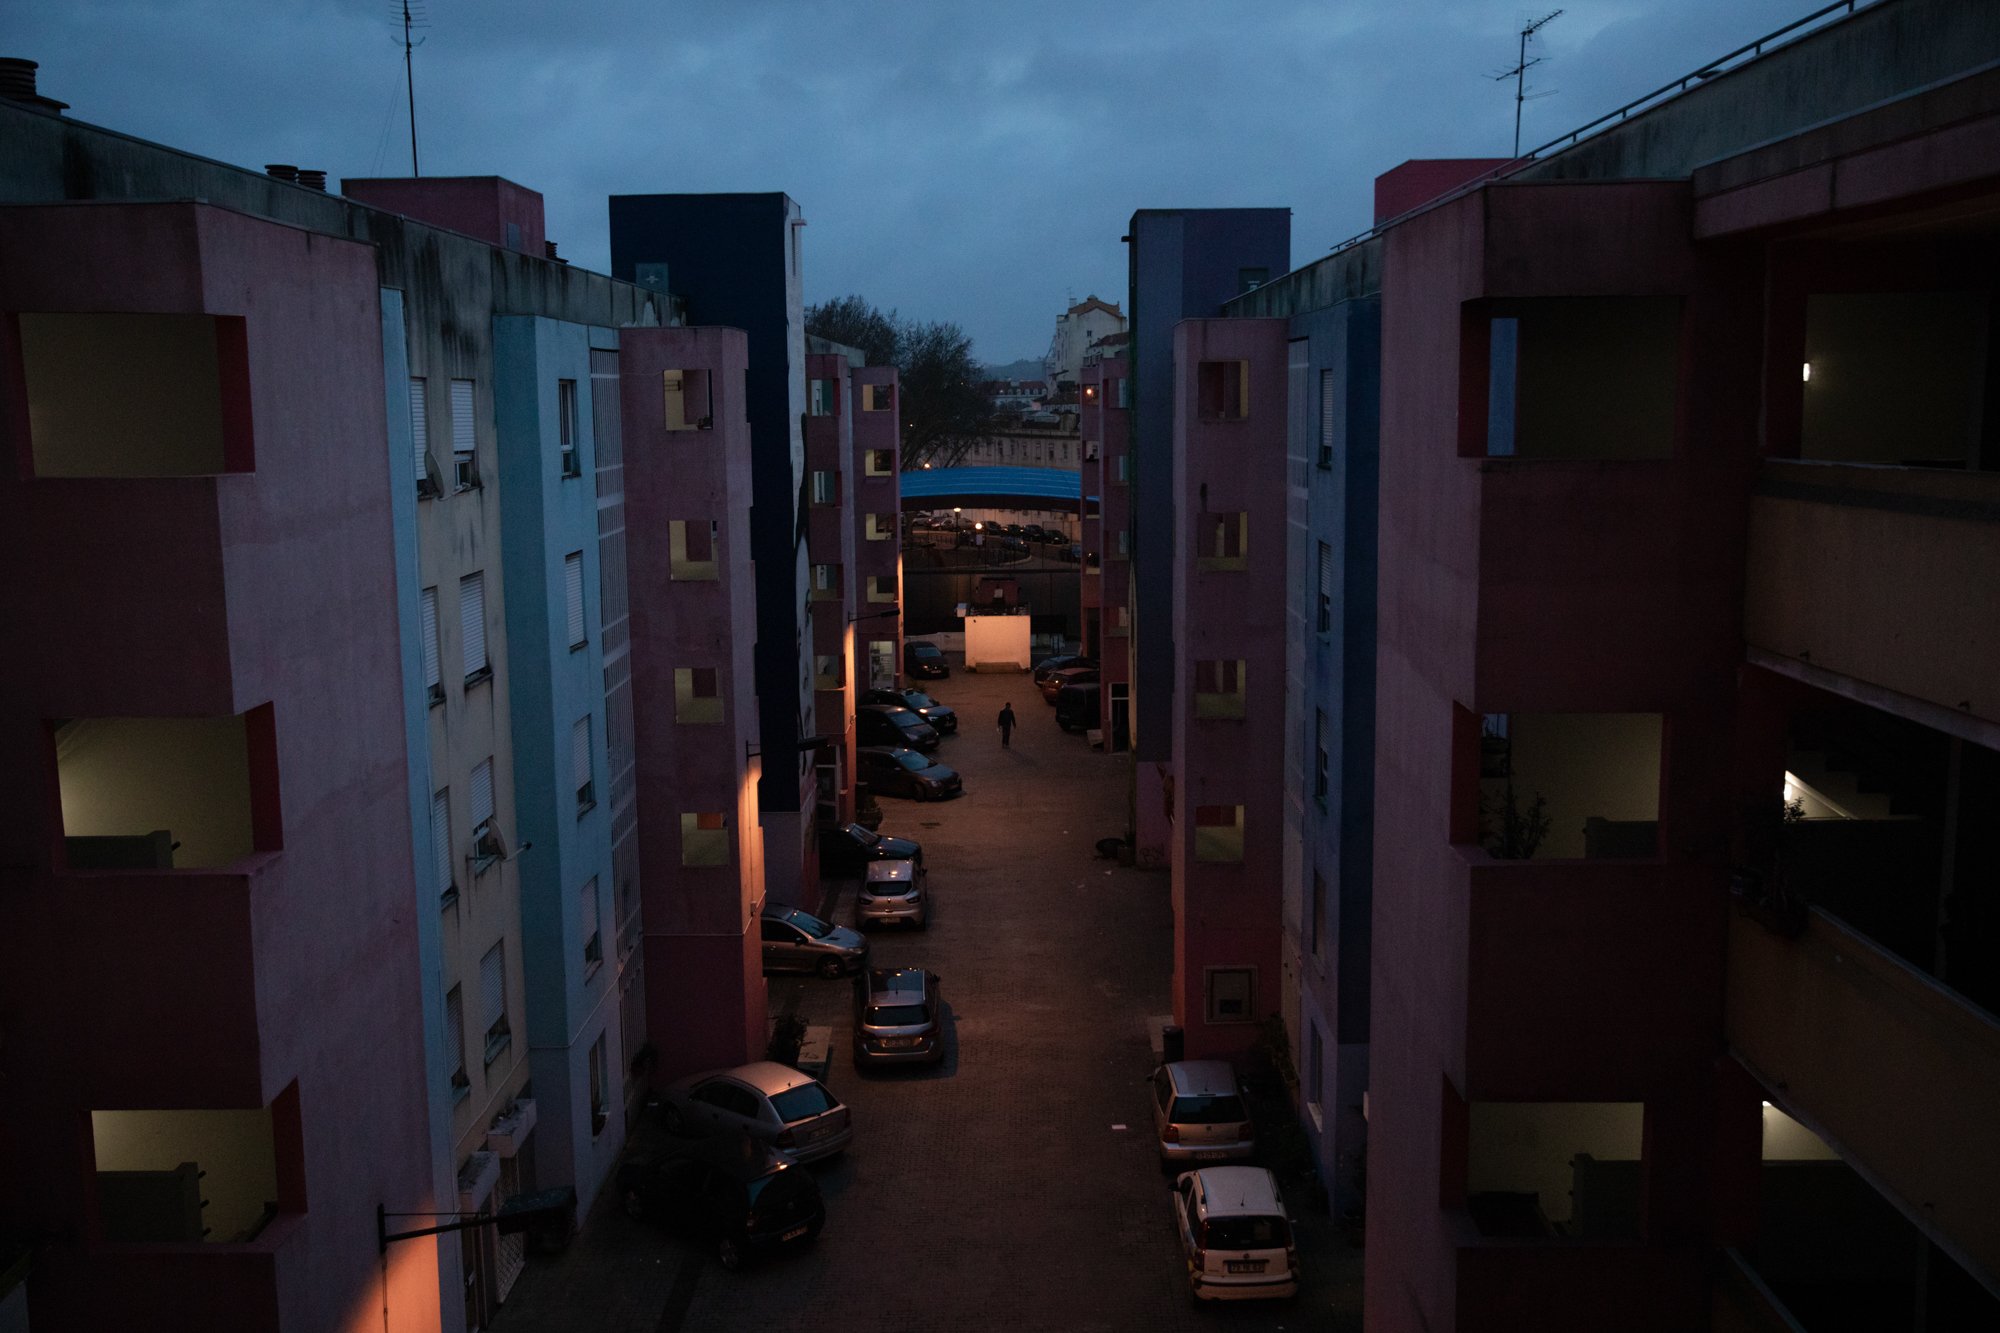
(925, 661)
(1235, 1234)
(1049, 665)
(739, 1195)
(940, 716)
(1053, 683)
(1072, 553)
(882, 724)
(1199, 1114)
(892, 893)
(900, 771)
(896, 1017)
(1077, 707)
(848, 849)
(797, 941)
(769, 1102)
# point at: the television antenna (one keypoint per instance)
(1520, 71)
(410, 14)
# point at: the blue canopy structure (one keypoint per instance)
(992, 487)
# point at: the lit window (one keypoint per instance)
(1218, 833)
(1232, 995)
(704, 839)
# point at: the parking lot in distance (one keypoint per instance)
(999, 1189)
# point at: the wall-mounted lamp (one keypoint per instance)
(1805, 373)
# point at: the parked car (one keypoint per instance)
(1072, 553)
(849, 849)
(930, 710)
(1235, 1234)
(925, 661)
(772, 1103)
(1199, 1115)
(896, 1017)
(739, 1195)
(891, 770)
(1053, 683)
(1050, 665)
(892, 893)
(1077, 707)
(881, 724)
(798, 941)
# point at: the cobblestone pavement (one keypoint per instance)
(1015, 1187)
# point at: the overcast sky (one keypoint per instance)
(975, 163)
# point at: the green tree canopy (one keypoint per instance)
(943, 411)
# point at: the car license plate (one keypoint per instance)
(793, 1234)
(1210, 1155)
(1244, 1265)
(899, 1041)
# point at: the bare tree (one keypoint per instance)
(943, 410)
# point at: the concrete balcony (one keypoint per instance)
(1586, 980)
(185, 940)
(1508, 1284)
(1851, 567)
(239, 1285)
(1898, 1072)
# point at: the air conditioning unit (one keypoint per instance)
(431, 486)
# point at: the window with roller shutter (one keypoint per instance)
(433, 670)
(493, 1000)
(1325, 591)
(586, 790)
(454, 1041)
(1327, 402)
(420, 437)
(472, 626)
(573, 596)
(592, 929)
(464, 439)
(482, 799)
(441, 847)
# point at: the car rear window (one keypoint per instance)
(927, 650)
(803, 1102)
(893, 1015)
(1247, 1233)
(1222, 1110)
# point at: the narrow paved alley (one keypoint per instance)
(1015, 1186)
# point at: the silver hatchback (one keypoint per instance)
(1199, 1114)
(770, 1102)
(893, 894)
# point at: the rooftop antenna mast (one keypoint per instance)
(1520, 71)
(411, 21)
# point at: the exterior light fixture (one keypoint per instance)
(1805, 373)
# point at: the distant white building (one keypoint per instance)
(1081, 326)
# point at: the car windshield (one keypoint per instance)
(918, 699)
(913, 761)
(803, 1102)
(927, 650)
(1223, 1110)
(862, 837)
(1247, 1233)
(809, 923)
(894, 1015)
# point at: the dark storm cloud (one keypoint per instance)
(967, 162)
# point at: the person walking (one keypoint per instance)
(1006, 726)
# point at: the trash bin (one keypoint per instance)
(1173, 1044)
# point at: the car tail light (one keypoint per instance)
(1171, 1134)
(787, 1139)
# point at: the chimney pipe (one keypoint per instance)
(549, 252)
(313, 179)
(282, 171)
(17, 84)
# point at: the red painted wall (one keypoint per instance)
(1423, 179)
(480, 206)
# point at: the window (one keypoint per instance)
(1320, 782)
(697, 694)
(566, 426)
(600, 1083)
(592, 927)
(1121, 622)
(881, 663)
(1316, 915)
(687, 402)
(1576, 377)
(454, 1041)
(442, 859)
(825, 582)
(493, 1000)
(824, 399)
(1315, 1070)
(1222, 390)
(1218, 833)
(1232, 995)
(1324, 592)
(573, 596)
(827, 674)
(1124, 384)
(1327, 404)
(420, 439)
(1250, 279)
(878, 397)
(704, 839)
(464, 463)
(691, 549)
(482, 812)
(433, 671)
(579, 749)
(881, 462)
(1219, 688)
(1121, 543)
(826, 488)
(1120, 471)
(472, 627)
(881, 527)
(1222, 541)
(882, 587)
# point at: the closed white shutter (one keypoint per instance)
(462, 438)
(441, 848)
(493, 986)
(454, 1030)
(482, 794)
(430, 630)
(472, 621)
(419, 428)
(580, 752)
(573, 591)
(1326, 404)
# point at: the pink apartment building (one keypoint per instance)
(830, 542)
(1229, 607)
(687, 496)
(875, 478)
(205, 763)
(1106, 533)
